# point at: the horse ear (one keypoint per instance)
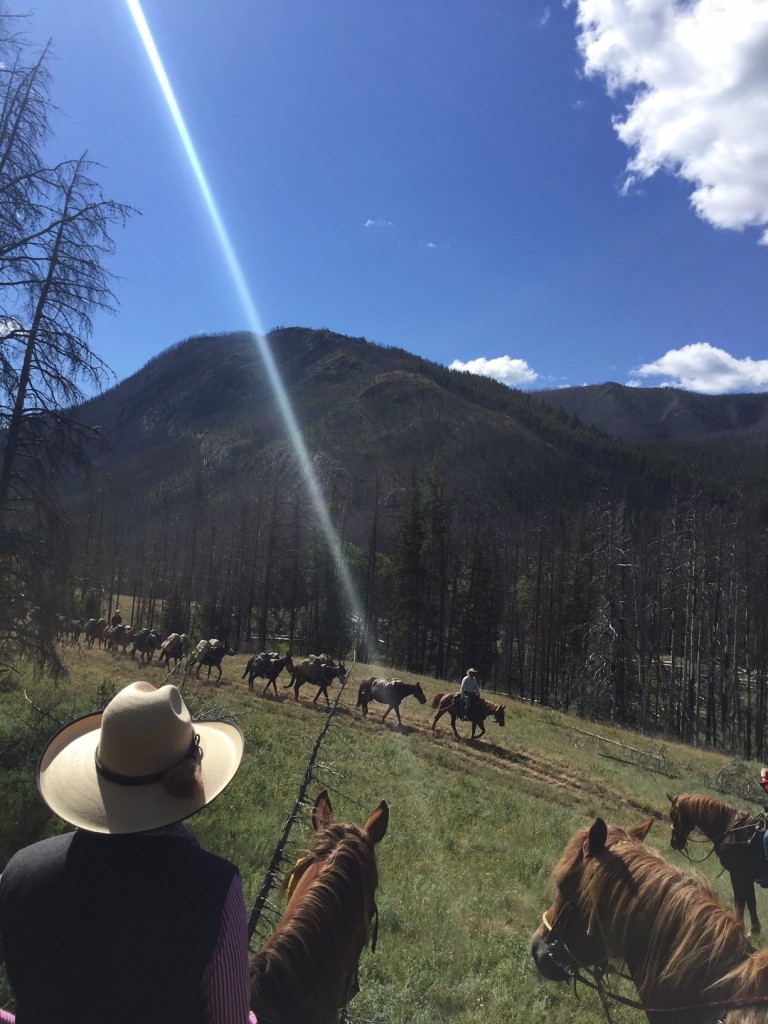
(641, 831)
(376, 826)
(322, 812)
(595, 841)
(671, 798)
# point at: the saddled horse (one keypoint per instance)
(119, 637)
(307, 970)
(734, 835)
(451, 704)
(94, 630)
(71, 629)
(319, 672)
(175, 646)
(146, 642)
(266, 667)
(391, 692)
(207, 653)
(619, 902)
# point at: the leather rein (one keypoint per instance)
(574, 968)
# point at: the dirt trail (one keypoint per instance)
(490, 752)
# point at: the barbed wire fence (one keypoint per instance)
(266, 911)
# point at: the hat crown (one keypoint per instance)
(144, 730)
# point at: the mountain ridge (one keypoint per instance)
(375, 420)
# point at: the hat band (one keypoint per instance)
(145, 780)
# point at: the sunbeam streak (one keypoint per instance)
(249, 308)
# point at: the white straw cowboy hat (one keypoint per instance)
(106, 772)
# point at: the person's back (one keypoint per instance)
(127, 920)
(112, 928)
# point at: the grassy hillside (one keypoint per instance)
(475, 827)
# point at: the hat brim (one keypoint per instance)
(70, 785)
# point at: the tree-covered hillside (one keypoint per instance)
(480, 526)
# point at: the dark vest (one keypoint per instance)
(111, 929)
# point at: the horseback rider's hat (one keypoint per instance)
(471, 671)
(139, 764)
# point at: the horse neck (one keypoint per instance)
(711, 816)
(674, 936)
(311, 955)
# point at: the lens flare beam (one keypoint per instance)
(249, 308)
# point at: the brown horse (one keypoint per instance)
(619, 901)
(391, 692)
(119, 636)
(146, 642)
(319, 672)
(267, 668)
(175, 646)
(208, 653)
(731, 832)
(94, 630)
(307, 969)
(450, 704)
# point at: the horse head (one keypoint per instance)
(569, 936)
(498, 714)
(681, 825)
(419, 694)
(329, 913)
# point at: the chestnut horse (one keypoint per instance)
(450, 703)
(617, 901)
(731, 832)
(307, 969)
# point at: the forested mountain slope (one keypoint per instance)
(664, 414)
(374, 420)
(478, 526)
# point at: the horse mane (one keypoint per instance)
(640, 902)
(748, 980)
(292, 972)
(715, 814)
(493, 708)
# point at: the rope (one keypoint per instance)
(724, 1004)
(574, 969)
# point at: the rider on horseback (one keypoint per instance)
(469, 692)
(763, 880)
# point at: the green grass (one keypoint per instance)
(475, 827)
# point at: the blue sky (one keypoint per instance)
(550, 194)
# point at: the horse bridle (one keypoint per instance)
(560, 951)
(571, 965)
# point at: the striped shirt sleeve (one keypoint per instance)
(6, 1017)
(226, 986)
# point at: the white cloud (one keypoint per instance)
(502, 368)
(706, 369)
(696, 79)
(377, 223)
